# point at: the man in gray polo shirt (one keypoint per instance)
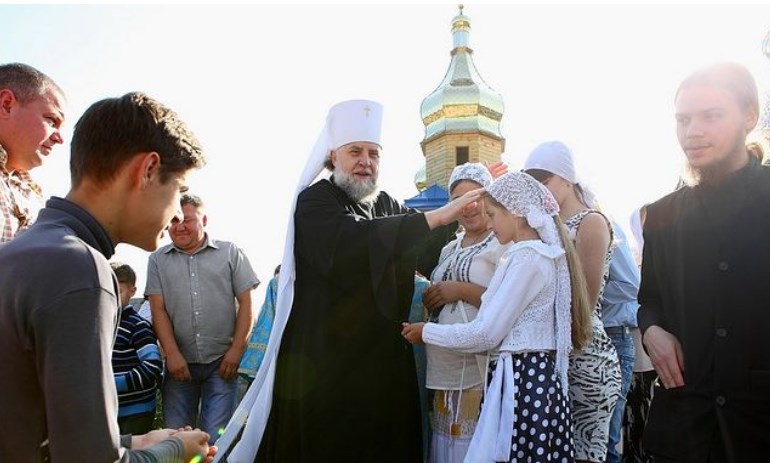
(193, 285)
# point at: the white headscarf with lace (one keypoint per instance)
(523, 196)
(473, 171)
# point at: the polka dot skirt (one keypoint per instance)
(542, 423)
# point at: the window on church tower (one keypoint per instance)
(461, 155)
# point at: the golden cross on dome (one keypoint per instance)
(366, 110)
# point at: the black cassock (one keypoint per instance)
(706, 279)
(345, 386)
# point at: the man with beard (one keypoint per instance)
(345, 382)
(704, 299)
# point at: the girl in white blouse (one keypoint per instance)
(532, 314)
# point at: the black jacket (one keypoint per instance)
(706, 279)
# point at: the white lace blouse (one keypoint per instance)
(517, 311)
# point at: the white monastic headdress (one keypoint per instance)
(352, 121)
(523, 196)
(474, 171)
(556, 157)
(347, 122)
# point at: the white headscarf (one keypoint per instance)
(523, 196)
(473, 171)
(347, 122)
(556, 157)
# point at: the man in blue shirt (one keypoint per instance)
(619, 306)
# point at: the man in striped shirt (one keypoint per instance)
(136, 360)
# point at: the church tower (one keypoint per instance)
(462, 115)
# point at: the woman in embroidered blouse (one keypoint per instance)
(533, 312)
(463, 272)
(594, 373)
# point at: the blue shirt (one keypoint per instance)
(619, 304)
(260, 334)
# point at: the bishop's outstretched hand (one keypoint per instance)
(452, 211)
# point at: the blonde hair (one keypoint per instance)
(580, 307)
(755, 149)
(733, 77)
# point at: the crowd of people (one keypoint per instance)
(512, 324)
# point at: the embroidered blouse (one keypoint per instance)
(449, 369)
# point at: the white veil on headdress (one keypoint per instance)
(346, 122)
(523, 196)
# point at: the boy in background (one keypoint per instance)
(136, 360)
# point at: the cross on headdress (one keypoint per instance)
(354, 120)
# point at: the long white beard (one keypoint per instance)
(360, 191)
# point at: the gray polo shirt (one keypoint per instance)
(199, 291)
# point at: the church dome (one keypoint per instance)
(463, 102)
(420, 179)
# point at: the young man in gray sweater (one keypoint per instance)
(59, 304)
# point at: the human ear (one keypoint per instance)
(751, 120)
(150, 167)
(7, 100)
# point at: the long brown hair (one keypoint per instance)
(580, 308)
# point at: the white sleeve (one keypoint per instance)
(521, 283)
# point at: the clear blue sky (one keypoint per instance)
(255, 81)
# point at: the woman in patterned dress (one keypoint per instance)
(594, 373)
(463, 272)
(525, 322)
